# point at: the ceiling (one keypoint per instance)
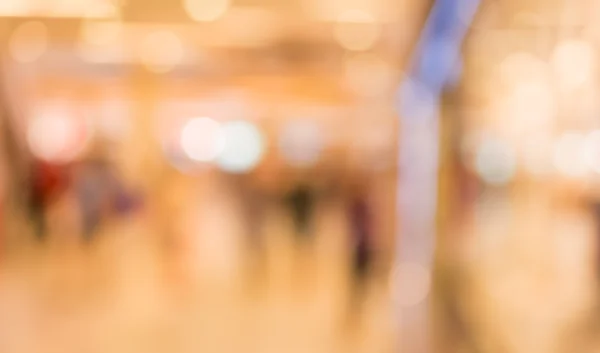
(243, 23)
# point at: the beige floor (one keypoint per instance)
(530, 281)
(125, 295)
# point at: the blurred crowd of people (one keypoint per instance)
(79, 198)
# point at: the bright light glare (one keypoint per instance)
(357, 30)
(58, 9)
(301, 143)
(56, 137)
(29, 41)
(161, 51)
(202, 139)
(574, 63)
(495, 162)
(569, 156)
(244, 147)
(205, 10)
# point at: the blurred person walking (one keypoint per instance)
(101, 194)
(16, 160)
(362, 253)
(93, 186)
(300, 202)
(48, 182)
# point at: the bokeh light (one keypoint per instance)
(357, 30)
(161, 51)
(103, 9)
(301, 143)
(495, 162)
(205, 10)
(531, 105)
(202, 139)
(100, 39)
(569, 154)
(281, 166)
(574, 63)
(29, 41)
(55, 136)
(528, 103)
(58, 8)
(244, 147)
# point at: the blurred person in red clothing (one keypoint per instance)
(48, 181)
(99, 192)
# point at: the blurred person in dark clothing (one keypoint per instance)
(301, 201)
(100, 194)
(93, 184)
(362, 251)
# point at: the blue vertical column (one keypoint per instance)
(433, 67)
